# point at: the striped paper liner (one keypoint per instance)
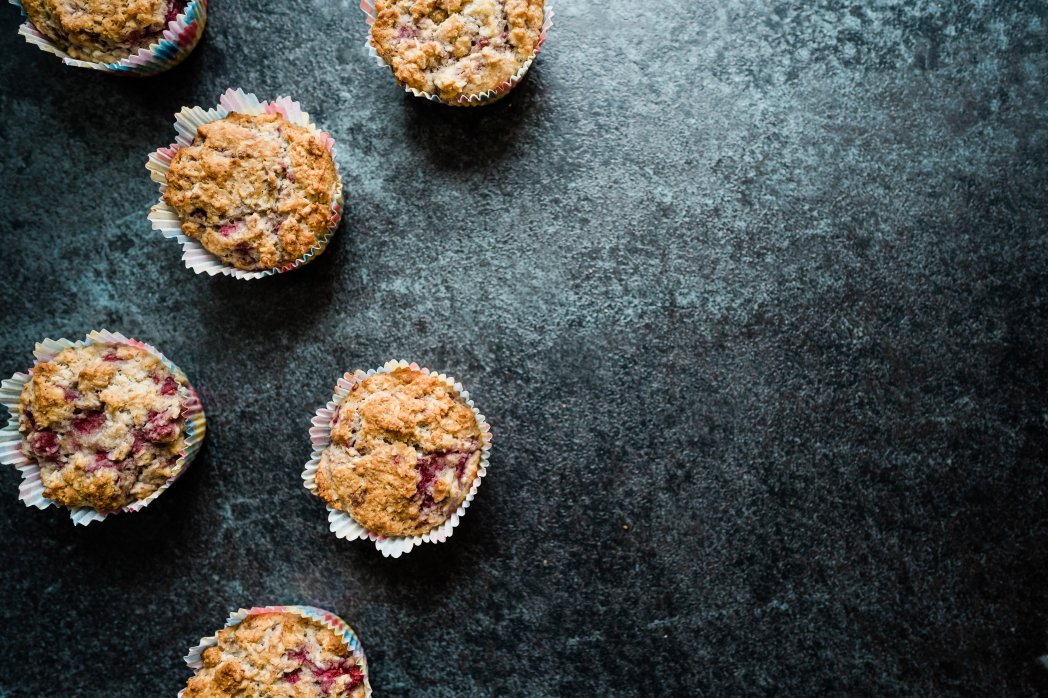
(341, 523)
(166, 220)
(31, 490)
(176, 42)
(320, 616)
(476, 100)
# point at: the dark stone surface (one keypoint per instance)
(755, 298)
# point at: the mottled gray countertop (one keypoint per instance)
(755, 298)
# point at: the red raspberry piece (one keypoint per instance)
(173, 8)
(159, 427)
(44, 444)
(92, 421)
(327, 677)
(102, 461)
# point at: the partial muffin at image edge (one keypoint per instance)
(254, 190)
(294, 651)
(457, 49)
(140, 37)
(105, 423)
(405, 450)
(101, 30)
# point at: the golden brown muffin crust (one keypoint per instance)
(256, 190)
(277, 655)
(456, 48)
(101, 30)
(104, 423)
(403, 455)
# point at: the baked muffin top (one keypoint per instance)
(256, 190)
(277, 655)
(104, 423)
(456, 48)
(403, 455)
(101, 30)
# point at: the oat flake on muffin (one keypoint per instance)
(256, 190)
(456, 48)
(104, 423)
(277, 655)
(404, 453)
(103, 31)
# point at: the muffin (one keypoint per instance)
(404, 452)
(255, 190)
(279, 655)
(102, 30)
(104, 423)
(455, 49)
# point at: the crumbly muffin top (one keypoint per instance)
(456, 48)
(403, 455)
(277, 655)
(104, 422)
(256, 190)
(101, 30)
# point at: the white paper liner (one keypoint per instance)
(345, 526)
(166, 220)
(31, 491)
(325, 618)
(479, 99)
(177, 41)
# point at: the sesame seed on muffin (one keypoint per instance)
(254, 189)
(404, 452)
(105, 424)
(278, 655)
(456, 48)
(102, 30)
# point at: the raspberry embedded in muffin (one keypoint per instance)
(104, 423)
(277, 654)
(456, 48)
(404, 452)
(102, 30)
(256, 190)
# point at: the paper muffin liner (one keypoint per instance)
(325, 618)
(476, 100)
(31, 491)
(166, 220)
(176, 42)
(341, 523)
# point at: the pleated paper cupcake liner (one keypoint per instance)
(31, 490)
(166, 220)
(325, 618)
(481, 98)
(175, 43)
(343, 524)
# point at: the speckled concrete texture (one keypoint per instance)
(753, 294)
